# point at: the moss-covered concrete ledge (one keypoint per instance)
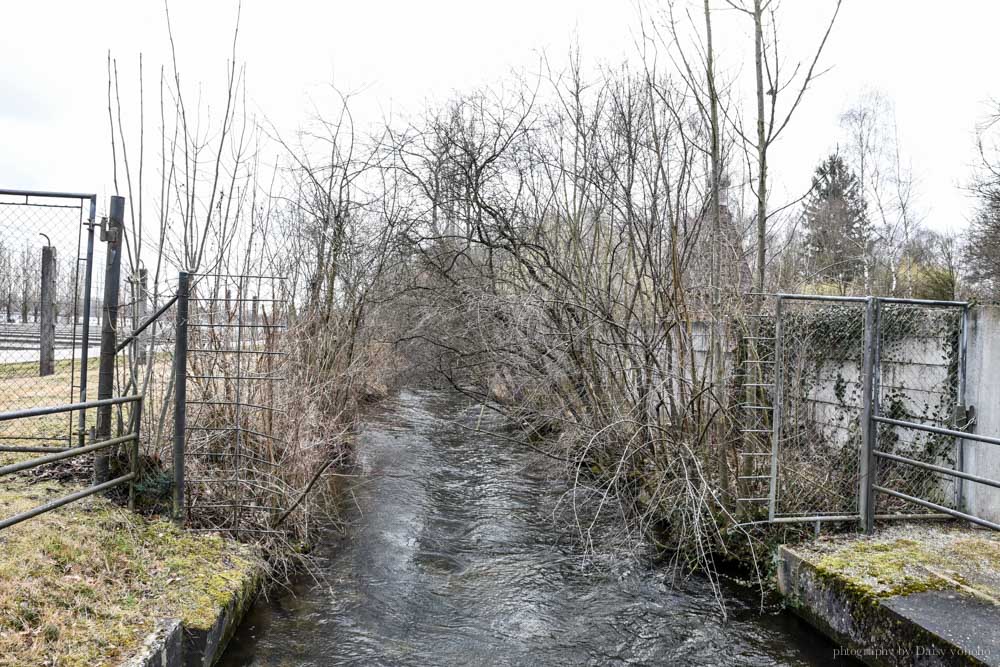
(910, 595)
(93, 584)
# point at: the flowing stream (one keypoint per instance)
(452, 557)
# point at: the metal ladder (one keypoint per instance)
(755, 464)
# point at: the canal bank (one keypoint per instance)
(909, 595)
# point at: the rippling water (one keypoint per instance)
(452, 558)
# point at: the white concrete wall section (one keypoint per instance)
(983, 394)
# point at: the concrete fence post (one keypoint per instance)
(982, 379)
(47, 325)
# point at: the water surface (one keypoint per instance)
(453, 557)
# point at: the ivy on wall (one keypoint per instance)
(821, 430)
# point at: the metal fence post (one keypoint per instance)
(109, 325)
(776, 405)
(85, 334)
(961, 408)
(134, 450)
(869, 400)
(180, 390)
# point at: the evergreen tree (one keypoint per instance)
(837, 228)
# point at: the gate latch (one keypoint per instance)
(109, 231)
(963, 418)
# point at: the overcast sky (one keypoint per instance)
(936, 61)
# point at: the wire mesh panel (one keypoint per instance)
(236, 400)
(819, 406)
(43, 307)
(918, 380)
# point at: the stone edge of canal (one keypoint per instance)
(915, 596)
(171, 644)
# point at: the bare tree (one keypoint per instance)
(562, 274)
(875, 152)
(8, 281)
(773, 83)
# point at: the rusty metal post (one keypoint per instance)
(777, 406)
(109, 325)
(180, 391)
(134, 450)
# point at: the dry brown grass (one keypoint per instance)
(267, 481)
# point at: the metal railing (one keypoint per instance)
(957, 474)
(142, 383)
(919, 479)
(131, 437)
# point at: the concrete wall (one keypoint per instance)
(983, 394)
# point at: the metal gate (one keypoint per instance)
(818, 408)
(41, 361)
(48, 313)
(864, 410)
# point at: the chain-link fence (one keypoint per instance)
(47, 336)
(818, 407)
(918, 379)
(202, 392)
(829, 376)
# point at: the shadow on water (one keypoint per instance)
(452, 558)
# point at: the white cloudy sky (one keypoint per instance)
(937, 61)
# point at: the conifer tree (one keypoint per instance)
(837, 228)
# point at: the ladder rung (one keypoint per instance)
(757, 407)
(754, 477)
(752, 500)
(755, 430)
(758, 361)
(759, 384)
(758, 338)
(754, 453)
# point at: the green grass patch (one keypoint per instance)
(84, 584)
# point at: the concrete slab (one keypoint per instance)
(911, 595)
(970, 625)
